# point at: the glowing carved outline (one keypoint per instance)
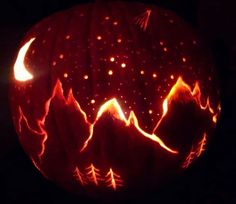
(20, 71)
(79, 176)
(201, 145)
(40, 122)
(180, 85)
(116, 111)
(113, 107)
(113, 180)
(195, 152)
(93, 174)
(143, 19)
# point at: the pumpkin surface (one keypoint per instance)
(113, 96)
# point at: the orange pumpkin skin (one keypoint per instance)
(113, 96)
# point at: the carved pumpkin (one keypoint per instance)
(113, 96)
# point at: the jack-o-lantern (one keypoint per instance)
(113, 96)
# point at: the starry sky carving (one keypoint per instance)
(111, 56)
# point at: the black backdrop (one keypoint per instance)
(211, 180)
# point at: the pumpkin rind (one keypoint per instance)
(121, 95)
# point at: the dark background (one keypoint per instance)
(210, 180)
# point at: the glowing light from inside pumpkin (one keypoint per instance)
(112, 59)
(20, 71)
(123, 65)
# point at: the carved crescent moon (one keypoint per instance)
(20, 71)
